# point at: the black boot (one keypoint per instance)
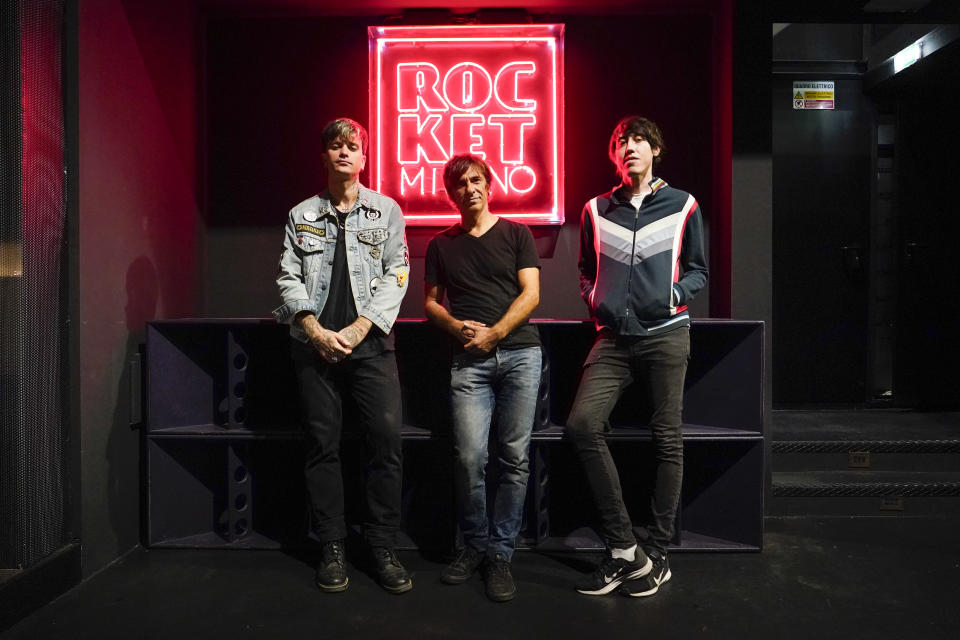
(500, 585)
(460, 570)
(332, 569)
(391, 574)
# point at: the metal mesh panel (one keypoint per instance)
(32, 233)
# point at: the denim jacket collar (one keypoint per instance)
(365, 199)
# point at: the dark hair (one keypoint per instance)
(459, 165)
(343, 128)
(633, 125)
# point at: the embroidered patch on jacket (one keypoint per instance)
(375, 253)
(401, 277)
(372, 236)
(373, 214)
(310, 243)
(406, 257)
(310, 215)
(309, 228)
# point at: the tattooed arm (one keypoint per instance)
(329, 345)
(351, 335)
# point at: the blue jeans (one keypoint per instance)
(498, 391)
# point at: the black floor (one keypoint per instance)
(827, 578)
(864, 424)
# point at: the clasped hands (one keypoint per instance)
(478, 338)
(331, 345)
(336, 346)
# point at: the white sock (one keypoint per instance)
(625, 554)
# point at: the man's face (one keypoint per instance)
(635, 156)
(470, 192)
(344, 157)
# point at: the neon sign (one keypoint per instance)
(493, 91)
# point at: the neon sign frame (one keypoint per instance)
(449, 111)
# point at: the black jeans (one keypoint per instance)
(660, 364)
(373, 385)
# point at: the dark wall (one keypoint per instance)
(831, 295)
(752, 184)
(138, 236)
(820, 42)
(751, 229)
(271, 84)
(821, 174)
(928, 272)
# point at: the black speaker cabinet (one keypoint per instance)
(225, 450)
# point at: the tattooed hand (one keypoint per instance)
(353, 334)
(328, 345)
(326, 342)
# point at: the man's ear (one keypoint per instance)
(656, 151)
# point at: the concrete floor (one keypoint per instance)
(887, 577)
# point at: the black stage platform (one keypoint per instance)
(816, 578)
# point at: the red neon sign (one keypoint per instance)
(493, 91)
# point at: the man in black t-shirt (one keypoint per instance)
(488, 269)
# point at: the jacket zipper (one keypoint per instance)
(633, 254)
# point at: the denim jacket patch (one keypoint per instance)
(376, 252)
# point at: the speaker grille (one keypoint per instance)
(32, 284)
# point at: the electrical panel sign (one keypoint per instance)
(813, 95)
(492, 91)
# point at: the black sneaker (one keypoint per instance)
(460, 570)
(391, 574)
(614, 571)
(332, 569)
(649, 584)
(500, 586)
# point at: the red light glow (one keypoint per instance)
(493, 91)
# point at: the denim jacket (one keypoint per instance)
(377, 259)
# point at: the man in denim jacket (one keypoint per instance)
(342, 276)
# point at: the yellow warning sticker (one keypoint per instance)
(814, 95)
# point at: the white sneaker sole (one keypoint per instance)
(636, 575)
(650, 592)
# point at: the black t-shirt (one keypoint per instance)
(340, 310)
(480, 274)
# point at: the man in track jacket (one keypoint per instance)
(641, 262)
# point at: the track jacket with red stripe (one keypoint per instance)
(639, 267)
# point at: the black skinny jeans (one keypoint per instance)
(660, 364)
(374, 386)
